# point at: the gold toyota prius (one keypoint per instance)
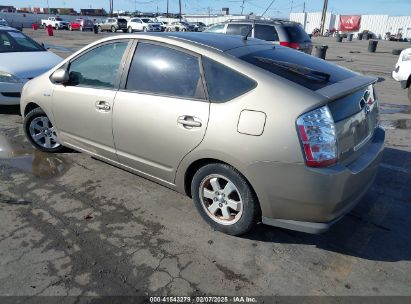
(253, 132)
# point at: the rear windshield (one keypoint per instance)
(122, 20)
(305, 70)
(296, 33)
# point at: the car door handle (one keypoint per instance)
(189, 121)
(102, 106)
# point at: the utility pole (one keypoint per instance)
(291, 8)
(304, 7)
(179, 4)
(167, 8)
(242, 7)
(323, 17)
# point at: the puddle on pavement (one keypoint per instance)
(27, 159)
(403, 124)
(386, 108)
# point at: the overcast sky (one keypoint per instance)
(280, 8)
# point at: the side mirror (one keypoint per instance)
(60, 76)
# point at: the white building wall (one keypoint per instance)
(378, 24)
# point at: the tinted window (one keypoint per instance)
(265, 32)
(161, 70)
(219, 28)
(14, 41)
(99, 67)
(296, 33)
(239, 29)
(223, 83)
(308, 71)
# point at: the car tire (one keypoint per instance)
(125, 31)
(99, 29)
(70, 28)
(130, 29)
(81, 29)
(40, 132)
(224, 199)
(144, 29)
(113, 29)
(44, 26)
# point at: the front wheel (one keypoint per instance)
(81, 29)
(144, 29)
(70, 28)
(113, 29)
(225, 199)
(99, 29)
(41, 132)
(130, 29)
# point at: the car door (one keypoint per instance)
(82, 108)
(161, 112)
(107, 24)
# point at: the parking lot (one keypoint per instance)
(73, 225)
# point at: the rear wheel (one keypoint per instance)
(70, 28)
(44, 25)
(113, 29)
(99, 29)
(144, 29)
(41, 132)
(81, 29)
(224, 199)
(130, 29)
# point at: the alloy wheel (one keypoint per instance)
(43, 133)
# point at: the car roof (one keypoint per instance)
(272, 21)
(216, 41)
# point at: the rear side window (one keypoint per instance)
(223, 83)
(238, 29)
(265, 32)
(161, 70)
(296, 33)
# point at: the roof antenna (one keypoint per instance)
(251, 29)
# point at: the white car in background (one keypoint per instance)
(21, 59)
(402, 71)
(143, 25)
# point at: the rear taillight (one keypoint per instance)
(293, 45)
(317, 134)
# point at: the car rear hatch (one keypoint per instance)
(122, 23)
(297, 38)
(349, 96)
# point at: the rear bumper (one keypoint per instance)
(297, 197)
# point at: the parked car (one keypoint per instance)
(21, 59)
(3, 22)
(81, 25)
(163, 25)
(143, 25)
(402, 71)
(179, 27)
(250, 131)
(113, 25)
(56, 22)
(281, 32)
(198, 26)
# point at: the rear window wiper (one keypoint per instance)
(308, 73)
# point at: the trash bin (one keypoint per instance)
(320, 51)
(349, 37)
(359, 36)
(367, 36)
(372, 46)
(95, 28)
(339, 38)
(35, 26)
(49, 30)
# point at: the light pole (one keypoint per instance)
(179, 3)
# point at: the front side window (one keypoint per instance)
(239, 29)
(219, 28)
(99, 67)
(223, 83)
(161, 70)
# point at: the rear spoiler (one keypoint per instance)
(346, 87)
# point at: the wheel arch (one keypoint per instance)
(29, 107)
(408, 82)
